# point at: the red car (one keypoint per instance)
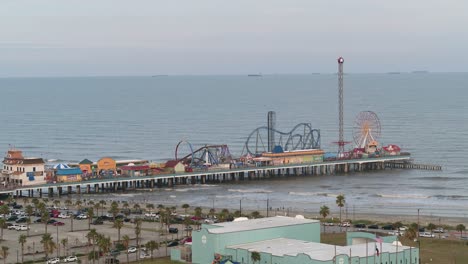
(58, 224)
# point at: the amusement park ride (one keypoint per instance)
(302, 137)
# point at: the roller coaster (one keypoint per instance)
(302, 136)
(208, 155)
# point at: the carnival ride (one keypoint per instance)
(302, 136)
(208, 155)
(366, 129)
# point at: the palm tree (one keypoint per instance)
(104, 244)
(460, 228)
(340, 201)
(48, 244)
(92, 236)
(25, 201)
(431, 227)
(3, 225)
(114, 210)
(186, 207)
(150, 207)
(255, 256)
(22, 240)
(90, 214)
(212, 212)
(324, 212)
(411, 232)
(57, 203)
(137, 234)
(29, 211)
(126, 243)
(102, 203)
(4, 253)
(78, 204)
(136, 207)
(96, 207)
(4, 209)
(45, 200)
(45, 217)
(198, 211)
(68, 203)
(118, 224)
(64, 243)
(151, 246)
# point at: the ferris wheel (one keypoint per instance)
(366, 128)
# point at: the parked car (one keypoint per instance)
(373, 226)
(114, 252)
(403, 228)
(21, 220)
(53, 261)
(58, 223)
(131, 250)
(345, 224)
(328, 224)
(388, 227)
(173, 230)
(143, 255)
(150, 215)
(70, 259)
(426, 234)
(51, 221)
(12, 218)
(188, 228)
(173, 244)
(13, 227)
(439, 230)
(22, 228)
(82, 216)
(359, 225)
(97, 222)
(63, 216)
(111, 261)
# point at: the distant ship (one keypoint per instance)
(255, 75)
(419, 72)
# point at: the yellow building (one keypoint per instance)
(106, 164)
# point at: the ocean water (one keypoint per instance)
(69, 119)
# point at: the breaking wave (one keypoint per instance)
(250, 190)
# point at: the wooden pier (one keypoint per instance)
(218, 176)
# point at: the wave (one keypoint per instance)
(250, 190)
(440, 178)
(461, 172)
(451, 197)
(402, 196)
(307, 194)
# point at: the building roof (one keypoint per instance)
(260, 223)
(86, 161)
(172, 163)
(135, 167)
(71, 171)
(316, 251)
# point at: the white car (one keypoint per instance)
(70, 259)
(53, 261)
(62, 215)
(403, 228)
(82, 216)
(426, 234)
(144, 255)
(22, 228)
(345, 224)
(131, 250)
(150, 215)
(13, 227)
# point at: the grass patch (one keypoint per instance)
(432, 250)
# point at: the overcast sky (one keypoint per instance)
(138, 37)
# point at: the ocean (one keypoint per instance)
(70, 119)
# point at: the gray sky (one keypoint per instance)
(139, 37)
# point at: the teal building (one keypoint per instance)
(287, 240)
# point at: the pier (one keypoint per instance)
(215, 176)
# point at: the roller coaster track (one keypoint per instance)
(302, 136)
